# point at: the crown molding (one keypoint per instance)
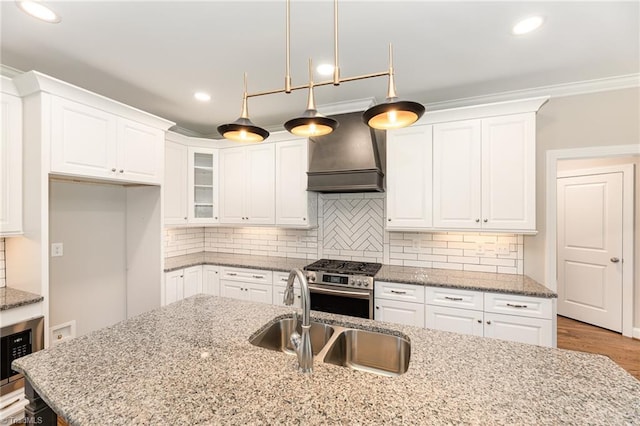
(346, 106)
(552, 91)
(8, 71)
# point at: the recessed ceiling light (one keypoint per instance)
(38, 10)
(202, 96)
(527, 25)
(325, 69)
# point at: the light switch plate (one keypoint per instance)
(56, 249)
(502, 249)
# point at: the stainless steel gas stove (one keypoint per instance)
(342, 287)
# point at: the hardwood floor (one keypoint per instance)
(578, 336)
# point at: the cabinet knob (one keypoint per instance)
(216, 217)
(477, 220)
(304, 218)
(185, 218)
(121, 171)
(615, 260)
(479, 321)
(113, 170)
(486, 220)
(377, 307)
(389, 219)
(489, 322)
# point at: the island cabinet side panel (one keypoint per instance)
(37, 412)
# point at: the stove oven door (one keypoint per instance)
(343, 301)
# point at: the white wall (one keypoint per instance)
(3, 282)
(88, 283)
(608, 118)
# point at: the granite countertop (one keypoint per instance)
(273, 263)
(480, 281)
(191, 363)
(12, 298)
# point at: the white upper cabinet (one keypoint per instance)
(484, 173)
(87, 141)
(247, 185)
(202, 185)
(409, 177)
(10, 164)
(456, 174)
(295, 206)
(175, 184)
(508, 172)
(92, 136)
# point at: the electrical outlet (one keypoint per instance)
(415, 243)
(479, 249)
(503, 249)
(56, 250)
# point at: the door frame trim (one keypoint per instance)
(553, 156)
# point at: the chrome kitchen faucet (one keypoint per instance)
(301, 343)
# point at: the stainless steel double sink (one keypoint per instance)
(375, 352)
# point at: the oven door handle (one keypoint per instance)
(349, 293)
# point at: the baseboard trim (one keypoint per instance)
(636, 333)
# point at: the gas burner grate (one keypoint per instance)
(345, 267)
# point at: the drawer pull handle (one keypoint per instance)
(455, 299)
(284, 279)
(258, 276)
(511, 305)
(232, 274)
(398, 292)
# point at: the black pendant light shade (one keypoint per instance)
(311, 123)
(243, 130)
(393, 114)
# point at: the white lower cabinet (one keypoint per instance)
(534, 331)
(399, 303)
(455, 320)
(254, 285)
(182, 283)
(211, 280)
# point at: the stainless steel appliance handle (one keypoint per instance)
(355, 294)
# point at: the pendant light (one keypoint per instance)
(311, 122)
(393, 113)
(243, 130)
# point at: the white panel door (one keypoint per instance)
(211, 280)
(533, 331)
(590, 249)
(455, 320)
(83, 140)
(175, 184)
(173, 286)
(508, 172)
(232, 185)
(456, 174)
(260, 190)
(291, 183)
(192, 281)
(140, 152)
(409, 177)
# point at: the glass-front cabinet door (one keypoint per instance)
(203, 185)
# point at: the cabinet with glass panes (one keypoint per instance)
(203, 185)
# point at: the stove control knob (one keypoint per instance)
(311, 278)
(359, 283)
(366, 283)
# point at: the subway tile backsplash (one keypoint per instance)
(351, 227)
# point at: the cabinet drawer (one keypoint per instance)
(454, 298)
(398, 291)
(258, 276)
(280, 278)
(525, 306)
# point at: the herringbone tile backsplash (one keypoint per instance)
(351, 227)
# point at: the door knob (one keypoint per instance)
(615, 260)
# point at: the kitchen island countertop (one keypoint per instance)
(191, 363)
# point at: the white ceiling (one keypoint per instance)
(155, 55)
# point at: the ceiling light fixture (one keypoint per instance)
(38, 10)
(527, 25)
(202, 96)
(243, 130)
(392, 114)
(325, 69)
